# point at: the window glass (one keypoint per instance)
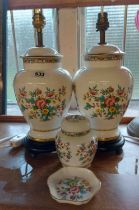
(132, 48)
(114, 34)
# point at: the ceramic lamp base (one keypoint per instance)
(133, 127)
(35, 148)
(112, 146)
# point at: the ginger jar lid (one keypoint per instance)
(41, 55)
(75, 125)
(104, 52)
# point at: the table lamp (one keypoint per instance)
(43, 92)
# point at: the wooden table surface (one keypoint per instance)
(23, 179)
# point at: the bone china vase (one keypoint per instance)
(43, 91)
(103, 90)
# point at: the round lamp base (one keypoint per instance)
(34, 147)
(133, 127)
(112, 146)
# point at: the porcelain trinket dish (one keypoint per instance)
(73, 185)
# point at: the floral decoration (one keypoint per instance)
(73, 188)
(107, 103)
(86, 152)
(42, 105)
(63, 150)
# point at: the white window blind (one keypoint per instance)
(128, 38)
(132, 48)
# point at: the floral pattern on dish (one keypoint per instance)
(73, 188)
(108, 102)
(42, 105)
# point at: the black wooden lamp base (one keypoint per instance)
(112, 146)
(35, 148)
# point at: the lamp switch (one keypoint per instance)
(17, 140)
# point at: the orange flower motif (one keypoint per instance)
(120, 92)
(40, 103)
(45, 111)
(93, 93)
(50, 94)
(112, 109)
(109, 101)
(23, 94)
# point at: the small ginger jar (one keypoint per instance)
(103, 89)
(75, 143)
(43, 92)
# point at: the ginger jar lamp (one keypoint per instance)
(43, 92)
(103, 89)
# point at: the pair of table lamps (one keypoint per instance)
(43, 90)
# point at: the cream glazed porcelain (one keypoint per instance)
(76, 146)
(43, 92)
(73, 185)
(103, 90)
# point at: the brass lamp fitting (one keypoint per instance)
(39, 23)
(102, 25)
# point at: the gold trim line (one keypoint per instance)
(105, 130)
(107, 139)
(75, 133)
(36, 130)
(45, 59)
(103, 57)
(40, 140)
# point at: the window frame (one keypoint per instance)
(19, 4)
(62, 9)
(3, 53)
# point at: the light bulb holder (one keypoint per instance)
(39, 23)
(102, 25)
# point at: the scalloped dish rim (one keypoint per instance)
(73, 172)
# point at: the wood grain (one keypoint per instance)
(20, 4)
(9, 118)
(23, 179)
